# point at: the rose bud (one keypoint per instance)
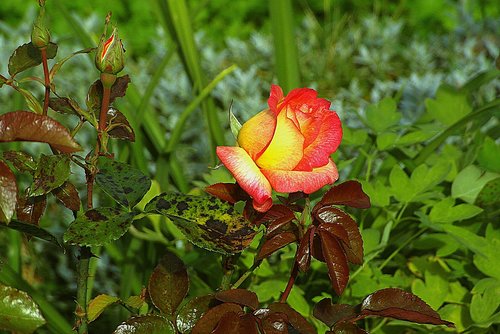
(109, 56)
(40, 35)
(286, 147)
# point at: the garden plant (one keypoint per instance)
(301, 219)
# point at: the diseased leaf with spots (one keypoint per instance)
(18, 312)
(27, 56)
(336, 261)
(229, 192)
(8, 193)
(52, 171)
(399, 304)
(21, 161)
(124, 183)
(168, 284)
(211, 318)
(118, 125)
(34, 231)
(64, 105)
(30, 209)
(239, 296)
(28, 126)
(192, 311)
(98, 304)
(68, 196)
(207, 222)
(97, 227)
(94, 95)
(146, 324)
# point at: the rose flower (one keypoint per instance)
(286, 147)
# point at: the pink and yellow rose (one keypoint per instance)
(286, 147)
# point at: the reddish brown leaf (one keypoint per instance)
(348, 328)
(239, 296)
(27, 56)
(31, 209)
(211, 318)
(316, 250)
(192, 311)
(399, 304)
(331, 214)
(248, 324)
(277, 215)
(275, 323)
(23, 162)
(94, 95)
(337, 231)
(118, 125)
(331, 313)
(276, 242)
(228, 324)
(168, 284)
(349, 193)
(28, 126)
(229, 192)
(303, 256)
(336, 261)
(119, 87)
(68, 196)
(294, 318)
(8, 193)
(64, 105)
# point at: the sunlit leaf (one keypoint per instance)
(354, 251)
(449, 105)
(118, 125)
(97, 227)
(146, 324)
(30, 209)
(98, 304)
(331, 313)
(168, 284)
(276, 242)
(18, 312)
(34, 231)
(191, 312)
(399, 304)
(27, 56)
(52, 171)
(28, 126)
(239, 296)
(8, 193)
(349, 193)
(336, 261)
(206, 221)
(22, 161)
(67, 194)
(275, 323)
(124, 183)
(211, 318)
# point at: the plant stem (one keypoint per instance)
(228, 262)
(106, 93)
(47, 81)
(246, 274)
(81, 293)
(291, 281)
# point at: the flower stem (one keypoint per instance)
(47, 81)
(291, 281)
(106, 93)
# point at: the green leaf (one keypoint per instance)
(8, 193)
(124, 183)
(97, 227)
(386, 140)
(356, 137)
(378, 192)
(32, 102)
(449, 106)
(446, 211)
(28, 126)
(33, 231)
(168, 284)
(52, 171)
(18, 312)
(23, 162)
(234, 124)
(382, 115)
(489, 155)
(147, 324)
(485, 299)
(433, 291)
(27, 56)
(208, 222)
(400, 184)
(489, 197)
(458, 314)
(98, 304)
(469, 183)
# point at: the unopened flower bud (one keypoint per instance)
(40, 35)
(109, 56)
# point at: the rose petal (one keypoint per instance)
(308, 182)
(246, 173)
(256, 134)
(275, 98)
(286, 148)
(328, 139)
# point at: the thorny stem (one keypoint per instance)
(47, 80)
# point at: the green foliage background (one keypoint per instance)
(414, 83)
